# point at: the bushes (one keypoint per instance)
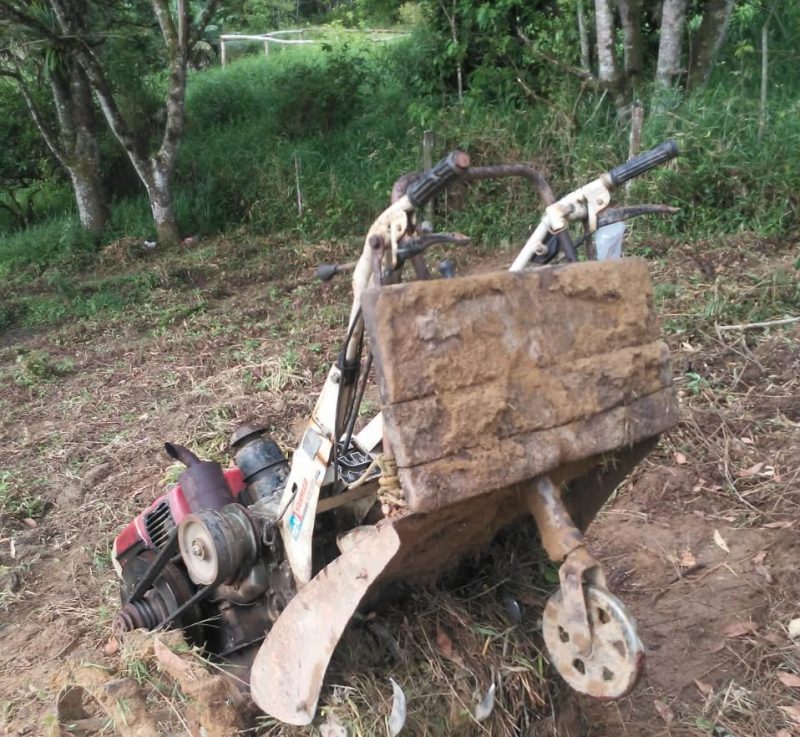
(60, 241)
(342, 122)
(324, 119)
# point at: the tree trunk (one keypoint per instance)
(160, 196)
(90, 195)
(607, 68)
(762, 110)
(155, 170)
(583, 34)
(630, 16)
(74, 143)
(709, 40)
(84, 162)
(673, 16)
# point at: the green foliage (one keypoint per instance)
(55, 242)
(726, 179)
(38, 366)
(322, 96)
(18, 502)
(259, 16)
(25, 166)
(328, 118)
(342, 122)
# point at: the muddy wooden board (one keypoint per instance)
(490, 380)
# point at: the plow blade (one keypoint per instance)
(287, 674)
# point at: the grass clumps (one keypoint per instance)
(18, 503)
(37, 366)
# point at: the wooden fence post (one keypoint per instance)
(297, 184)
(635, 143)
(427, 163)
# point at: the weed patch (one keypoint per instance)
(18, 502)
(37, 367)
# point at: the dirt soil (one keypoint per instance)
(701, 541)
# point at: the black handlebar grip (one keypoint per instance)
(436, 179)
(642, 163)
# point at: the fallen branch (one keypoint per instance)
(767, 324)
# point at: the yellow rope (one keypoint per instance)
(390, 493)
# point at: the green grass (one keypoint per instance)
(340, 123)
(57, 241)
(37, 367)
(75, 297)
(18, 502)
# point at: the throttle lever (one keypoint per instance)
(618, 214)
(414, 246)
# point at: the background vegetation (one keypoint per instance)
(335, 124)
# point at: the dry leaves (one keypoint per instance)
(754, 470)
(687, 560)
(112, 646)
(664, 711)
(793, 712)
(332, 727)
(760, 568)
(783, 524)
(763, 571)
(790, 680)
(704, 688)
(445, 645)
(720, 541)
(739, 629)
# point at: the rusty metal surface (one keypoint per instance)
(578, 569)
(288, 671)
(431, 542)
(563, 541)
(558, 532)
(615, 658)
(587, 492)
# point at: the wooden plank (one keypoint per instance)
(432, 337)
(504, 461)
(491, 380)
(529, 398)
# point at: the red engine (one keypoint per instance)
(205, 556)
(152, 528)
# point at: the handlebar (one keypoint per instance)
(415, 246)
(436, 179)
(644, 162)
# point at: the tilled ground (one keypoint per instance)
(701, 541)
